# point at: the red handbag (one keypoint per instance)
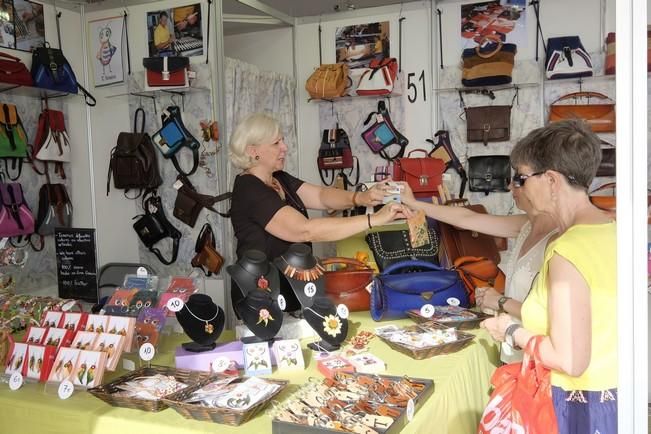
(423, 175)
(166, 71)
(347, 284)
(13, 71)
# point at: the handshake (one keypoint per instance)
(394, 190)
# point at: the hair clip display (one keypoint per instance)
(289, 355)
(257, 360)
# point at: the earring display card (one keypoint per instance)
(58, 337)
(153, 316)
(39, 361)
(119, 302)
(112, 345)
(64, 364)
(257, 359)
(329, 367)
(289, 356)
(84, 340)
(35, 335)
(97, 323)
(146, 333)
(17, 359)
(367, 363)
(52, 319)
(90, 368)
(125, 326)
(75, 321)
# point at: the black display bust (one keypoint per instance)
(322, 316)
(203, 321)
(301, 275)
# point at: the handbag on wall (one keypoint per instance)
(600, 116)
(14, 71)
(54, 209)
(207, 257)
(390, 247)
(51, 142)
(169, 71)
(189, 202)
(424, 175)
(13, 139)
(566, 58)
(488, 64)
(328, 81)
(443, 150)
(379, 78)
(173, 136)
(611, 59)
(335, 155)
(346, 280)
(382, 133)
(16, 218)
(476, 272)
(489, 173)
(488, 123)
(394, 292)
(608, 163)
(153, 226)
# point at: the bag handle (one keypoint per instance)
(582, 95)
(359, 266)
(605, 186)
(139, 110)
(489, 38)
(417, 150)
(463, 260)
(10, 57)
(391, 269)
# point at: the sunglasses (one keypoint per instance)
(518, 179)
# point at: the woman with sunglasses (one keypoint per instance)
(574, 299)
(531, 232)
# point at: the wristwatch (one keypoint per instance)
(500, 303)
(508, 335)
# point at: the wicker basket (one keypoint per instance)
(217, 414)
(463, 339)
(463, 324)
(106, 392)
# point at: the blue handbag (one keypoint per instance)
(393, 293)
(174, 136)
(567, 58)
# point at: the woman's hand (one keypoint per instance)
(406, 194)
(374, 195)
(487, 298)
(497, 326)
(388, 213)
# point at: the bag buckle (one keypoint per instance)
(427, 295)
(422, 180)
(488, 177)
(166, 72)
(487, 128)
(53, 66)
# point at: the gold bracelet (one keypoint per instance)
(355, 204)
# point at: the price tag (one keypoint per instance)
(147, 352)
(453, 301)
(342, 311)
(15, 381)
(220, 364)
(68, 305)
(141, 272)
(65, 389)
(427, 310)
(411, 409)
(310, 289)
(282, 303)
(178, 184)
(175, 304)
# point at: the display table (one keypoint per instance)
(461, 390)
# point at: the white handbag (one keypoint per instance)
(55, 148)
(566, 58)
(379, 79)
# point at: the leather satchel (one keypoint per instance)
(328, 81)
(476, 272)
(14, 71)
(390, 247)
(489, 173)
(488, 123)
(153, 226)
(424, 175)
(382, 133)
(173, 136)
(171, 71)
(207, 257)
(600, 116)
(457, 242)
(189, 202)
(394, 292)
(346, 280)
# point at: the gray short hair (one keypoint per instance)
(255, 129)
(568, 147)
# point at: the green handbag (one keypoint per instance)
(13, 139)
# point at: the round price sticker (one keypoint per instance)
(141, 272)
(282, 303)
(427, 310)
(220, 364)
(15, 381)
(453, 301)
(342, 311)
(65, 389)
(174, 304)
(310, 289)
(411, 409)
(147, 351)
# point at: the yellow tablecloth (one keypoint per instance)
(461, 387)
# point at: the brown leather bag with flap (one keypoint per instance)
(346, 280)
(207, 257)
(476, 272)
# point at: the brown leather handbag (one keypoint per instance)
(476, 272)
(328, 81)
(488, 123)
(346, 280)
(609, 203)
(457, 242)
(599, 116)
(207, 257)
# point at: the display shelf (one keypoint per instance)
(581, 80)
(154, 94)
(480, 89)
(352, 97)
(32, 92)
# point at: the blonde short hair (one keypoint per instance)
(255, 129)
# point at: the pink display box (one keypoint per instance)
(202, 361)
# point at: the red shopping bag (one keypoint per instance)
(521, 402)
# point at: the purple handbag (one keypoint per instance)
(15, 216)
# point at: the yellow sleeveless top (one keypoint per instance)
(592, 249)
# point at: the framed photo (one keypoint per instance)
(175, 32)
(7, 38)
(29, 25)
(106, 45)
(359, 44)
(506, 19)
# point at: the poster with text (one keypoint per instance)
(29, 25)
(7, 38)
(505, 19)
(106, 47)
(359, 44)
(175, 32)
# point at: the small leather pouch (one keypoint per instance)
(489, 173)
(207, 257)
(189, 202)
(477, 272)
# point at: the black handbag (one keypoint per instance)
(489, 173)
(153, 226)
(189, 202)
(391, 247)
(608, 162)
(335, 155)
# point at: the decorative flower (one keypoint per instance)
(263, 283)
(332, 325)
(264, 316)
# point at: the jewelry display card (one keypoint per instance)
(367, 363)
(146, 333)
(112, 345)
(153, 316)
(58, 337)
(90, 369)
(39, 361)
(288, 354)
(64, 364)
(125, 326)
(35, 335)
(97, 323)
(75, 321)
(84, 340)
(257, 359)
(52, 319)
(17, 359)
(329, 367)
(142, 299)
(121, 298)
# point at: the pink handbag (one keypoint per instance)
(15, 216)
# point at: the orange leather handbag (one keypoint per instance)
(609, 203)
(423, 175)
(346, 280)
(599, 116)
(476, 272)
